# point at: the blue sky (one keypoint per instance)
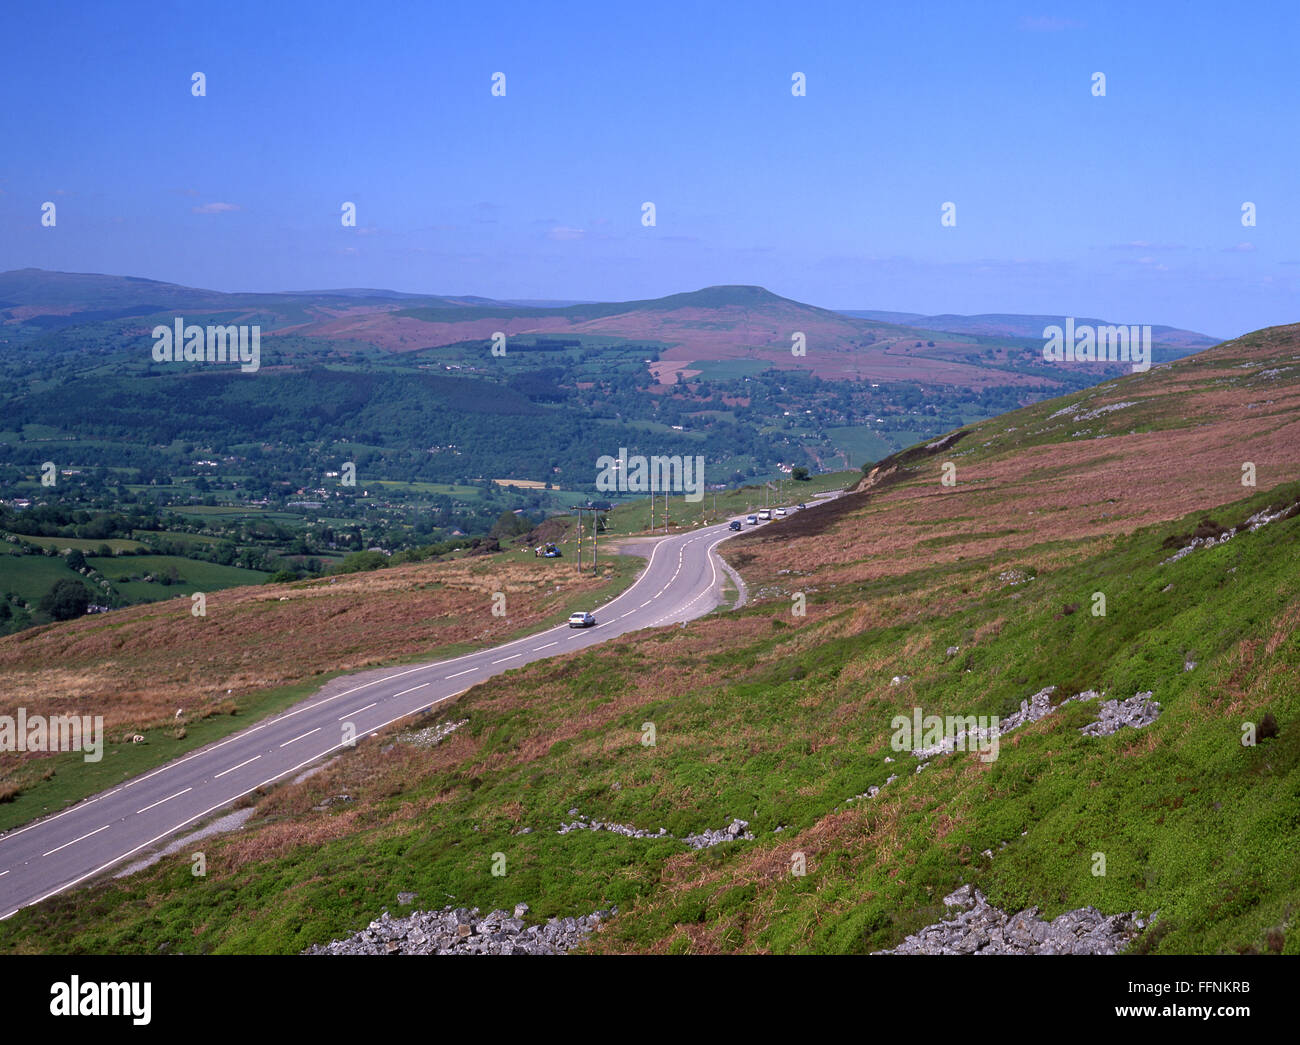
(1126, 207)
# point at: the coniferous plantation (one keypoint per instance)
(570, 501)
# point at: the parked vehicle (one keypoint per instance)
(734, 524)
(581, 620)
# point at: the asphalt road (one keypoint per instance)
(682, 580)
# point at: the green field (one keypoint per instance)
(31, 576)
(84, 544)
(194, 575)
(863, 443)
(634, 516)
(729, 369)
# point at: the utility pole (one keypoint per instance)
(595, 527)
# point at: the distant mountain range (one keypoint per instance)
(1013, 325)
(746, 326)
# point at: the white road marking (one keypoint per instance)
(366, 708)
(296, 739)
(504, 659)
(225, 803)
(233, 768)
(547, 646)
(76, 840)
(460, 673)
(405, 691)
(162, 800)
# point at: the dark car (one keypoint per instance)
(734, 524)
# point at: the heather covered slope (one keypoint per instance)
(963, 600)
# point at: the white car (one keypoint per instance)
(780, 511)
(765, 514)
(581, 620)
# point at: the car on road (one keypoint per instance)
(765, 514)
(752, 520)
(780, 511)
(581, 620)
(801, 507)
(734, 524)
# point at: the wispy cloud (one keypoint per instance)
(214, 208)
(1240, 248)
(563, 232)
(1141, 244)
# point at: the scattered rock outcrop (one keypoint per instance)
(981, 928)
(1260, 518)
(1138, 711)
(733, 831)
(706, 838)
(460, 931)
(431, 736)
(627, 830)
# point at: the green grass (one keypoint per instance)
(863, 442)
(774, 728)
(31, 576)
(194, 575)
(74, 780)
(85, 544)
(634, 516)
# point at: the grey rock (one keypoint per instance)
(980, 928)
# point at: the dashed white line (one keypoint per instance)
(233, 768)
(460, 673)
(405, 691)
(162, 800)
(547, 646)
(366, 708)
(504, 659)
(296, 739)
(76, 840)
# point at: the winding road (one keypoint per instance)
(682, 580)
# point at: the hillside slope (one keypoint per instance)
(954, 600)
